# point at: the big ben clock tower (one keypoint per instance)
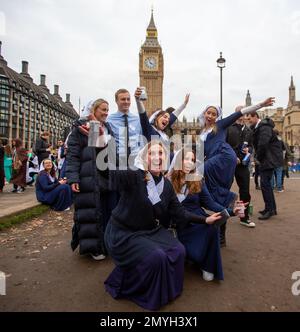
(151, 69)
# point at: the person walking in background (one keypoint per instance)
(239, 136)
(42, 148)
(7, 162)
(287, 162)
(61, 159)
(278, 171)
(2, 182)
(19, 167)
(268, 151)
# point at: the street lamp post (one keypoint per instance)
(221, 64)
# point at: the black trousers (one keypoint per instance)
(256, 175)
(242, 177)
(1, 175)
(267, 191)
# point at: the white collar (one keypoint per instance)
(154, 190)
(258, 122)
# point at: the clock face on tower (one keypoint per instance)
(150, 62)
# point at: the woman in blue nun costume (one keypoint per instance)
(51, 191)
(220, 159)
(201, 242)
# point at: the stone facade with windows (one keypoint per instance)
(28, 109)
(287, 120)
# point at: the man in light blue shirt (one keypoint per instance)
(126, 128)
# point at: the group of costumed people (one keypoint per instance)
(151, 217)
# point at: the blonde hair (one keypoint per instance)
(97, 103)
(145, 151)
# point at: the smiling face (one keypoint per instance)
(156, 158)
(101, 112)
(123, 102)
(162, 121)
(47, 165)
(210, 116)
(188, 164)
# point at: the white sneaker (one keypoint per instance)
(248, 223)
(207, 276)
(98, 257)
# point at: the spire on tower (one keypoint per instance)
(292, 82)
(248, 99)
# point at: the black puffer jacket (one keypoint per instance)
(268, 148)
(88, 229)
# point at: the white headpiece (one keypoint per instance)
(87, 109)
(201, 117)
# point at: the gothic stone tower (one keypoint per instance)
(151, 69)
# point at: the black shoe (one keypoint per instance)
(267, 215)
(262, 211)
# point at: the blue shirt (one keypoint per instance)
(117, 124)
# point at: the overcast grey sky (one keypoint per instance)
(90, 48)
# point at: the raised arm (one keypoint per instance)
(147, 129)
(174, 115)
(230, 120)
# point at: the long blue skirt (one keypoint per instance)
(219, 174)
(59, 199)
(150, 266)
(202, 245)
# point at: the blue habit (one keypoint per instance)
(202, 242)
(58, 196)
(220, 162)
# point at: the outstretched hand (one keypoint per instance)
(268, 102)
(138, 93)
(186, 99)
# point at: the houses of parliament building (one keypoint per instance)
(27, 109)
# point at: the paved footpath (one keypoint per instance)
(43, 274)
(11, 203)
